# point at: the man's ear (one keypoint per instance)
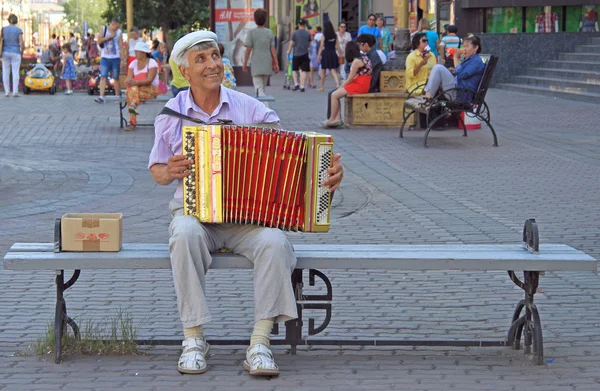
(184, 72)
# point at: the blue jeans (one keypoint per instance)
(176, 90)
(110, 65)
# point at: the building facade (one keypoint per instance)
(526, 16)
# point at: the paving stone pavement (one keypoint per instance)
(63, 154)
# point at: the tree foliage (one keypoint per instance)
(85, 11)
(166, 14)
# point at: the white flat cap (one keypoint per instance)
(191, 39)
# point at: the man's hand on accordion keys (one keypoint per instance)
(178, 167)
(337, 173)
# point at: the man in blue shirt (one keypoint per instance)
(468, 73)
(370, 28)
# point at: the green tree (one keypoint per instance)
(85, 11)
(166, 14)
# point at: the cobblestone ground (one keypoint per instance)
(63, 154)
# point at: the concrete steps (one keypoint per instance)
(587, 49)
(529, 89)
(573, 76)
(573, 65)
(588, 57)
(567, 85)
(590, 77)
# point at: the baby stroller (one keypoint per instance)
(288, 83)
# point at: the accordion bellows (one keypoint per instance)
(256, 175)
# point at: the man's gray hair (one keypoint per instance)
(182, 59)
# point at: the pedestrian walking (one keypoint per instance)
(343, 37)
(386, 36)
(329, 48)
(73, 44)
(92, 50)
(260, 49)
(300, 44)
(11, 37)
(134, 38)
(313, 54)
(371, 29)
(109, 39)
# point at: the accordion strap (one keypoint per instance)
(173, 113)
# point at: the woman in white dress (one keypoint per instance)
(343, 37)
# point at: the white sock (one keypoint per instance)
(195, 332)
(262, 332)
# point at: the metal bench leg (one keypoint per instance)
(404, 122)
(459, 119)
(529, 324)
(123, 122)
(293, 328)
(487, 122)
(61, 319)
(430, 125)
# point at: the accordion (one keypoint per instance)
(257, 175)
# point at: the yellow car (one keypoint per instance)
(39, 79)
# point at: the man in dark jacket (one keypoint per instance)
(366, 44)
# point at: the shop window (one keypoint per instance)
(543, 19)
(504, 20)
(582, 18)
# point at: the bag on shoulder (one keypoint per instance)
(103, 35)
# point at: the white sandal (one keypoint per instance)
(260, 362)
(193, 358)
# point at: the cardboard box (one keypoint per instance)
(91, 231)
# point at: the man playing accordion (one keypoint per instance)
(192, 242)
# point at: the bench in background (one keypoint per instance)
(122, 102)
(529, 257)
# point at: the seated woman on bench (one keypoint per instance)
(418, 64)
(358, 82)
(141, 82)
(467, 73)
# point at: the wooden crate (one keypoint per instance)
(392, 81)
(375, 109)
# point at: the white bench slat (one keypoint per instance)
(558, 249)
(440, 257)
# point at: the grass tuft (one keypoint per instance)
(115, 335)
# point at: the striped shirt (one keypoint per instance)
(235, 106)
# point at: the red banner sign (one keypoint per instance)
(234, 15)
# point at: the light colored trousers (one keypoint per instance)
(11, 60)
(440, 76)
(260, 83)
(342, 70)
(190, 245)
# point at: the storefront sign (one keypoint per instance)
(233, 20)
(234, 15)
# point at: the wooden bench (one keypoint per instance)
(122, 102)
(531, 258)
